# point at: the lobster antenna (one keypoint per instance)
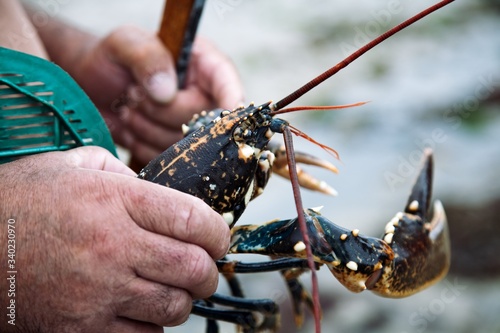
(292, 169)
(321, 107)
(330, 72)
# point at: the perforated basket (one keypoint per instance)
(42, 109)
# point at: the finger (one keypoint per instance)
(180, 110)
(159, 257)
(141, 152)
(126, 325)
(145, 56)
(115, 123)
(217, 75)
(155, 303)
(172, 213)
(114, 119)
(97, 158)
(151, 133)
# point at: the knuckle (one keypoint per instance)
(191, 219)
(176, 309)
(201, 273)
(122, 33)
(136, 42)
(201, 266)
(204, 227)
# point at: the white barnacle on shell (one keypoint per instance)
(246, 150)
(352, 266)
(388, 238)
(228, 217)
(413, 206)
(389, 228)
(335, 263)
(317, 209)
(299, 246)
(394, 221)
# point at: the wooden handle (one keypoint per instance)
(177, 31)
(173, 25)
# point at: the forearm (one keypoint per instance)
(17, 32)
(65, 43)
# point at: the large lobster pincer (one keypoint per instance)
(412, 254)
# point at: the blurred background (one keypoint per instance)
(436, 84)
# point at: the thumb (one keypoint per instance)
(143, 54)
(97, 158)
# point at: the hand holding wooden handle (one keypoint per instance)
(177, 31)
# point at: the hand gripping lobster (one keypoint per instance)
(225, 160)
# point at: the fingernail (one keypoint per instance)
(162, 87)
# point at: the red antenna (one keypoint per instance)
(322, 77)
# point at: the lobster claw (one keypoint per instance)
(421, 248)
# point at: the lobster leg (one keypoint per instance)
(267, 310)
(300, 296)
(265, 306)
(231, 278)
(290, 269)
(252, 315)
(280, 167)
(228, 266)
(248, 310)
(239, 317)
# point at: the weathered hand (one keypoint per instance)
(101, 251)
(131, 77)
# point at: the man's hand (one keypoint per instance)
(101, 251)
(131, 77)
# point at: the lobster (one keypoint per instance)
(226, 159)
